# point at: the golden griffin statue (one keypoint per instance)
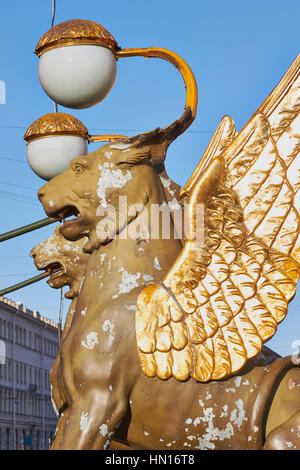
(163, 347)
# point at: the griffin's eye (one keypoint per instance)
(78, 169)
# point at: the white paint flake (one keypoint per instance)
(238, 415)
(110, 179)
(83, 312)
(102, 257)
(238, 381)
(91, 340)
(120, 146)
(147, 277)
(129, 282)
(156, 264)
(108, 327)
(84, 418)
(224, 412)
(213, 434)
(108, 155)
(131, 307)
(103, 429)
(196, 421)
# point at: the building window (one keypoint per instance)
(7, 436)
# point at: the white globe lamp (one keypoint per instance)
(77, 63)
(53, 141)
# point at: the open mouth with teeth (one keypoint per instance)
(56, 273)
(70, 218)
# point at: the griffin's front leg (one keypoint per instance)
(59, 430)
(92, 421)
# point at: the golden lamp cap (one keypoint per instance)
(73, 32)
(55, 124)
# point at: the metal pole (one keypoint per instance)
(27, 228)
(14, 381)
(37, 278)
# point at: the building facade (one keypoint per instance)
(28, 347)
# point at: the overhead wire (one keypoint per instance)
(61, 290)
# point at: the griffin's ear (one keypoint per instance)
(131, 154)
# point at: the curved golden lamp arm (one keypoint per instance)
(105, 138)
(180, 64)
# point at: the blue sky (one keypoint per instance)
(237, 50)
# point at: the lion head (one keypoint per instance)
(98, 188)
(63, 260)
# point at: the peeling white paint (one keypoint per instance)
(238, 381)
(213, 434)
(84, 418)
(129, 282)
(103, 429)
(120, 146)
(196, 421)
(108, 327)
(224, 413)
(131, 307)
(110, 179)
(102, 257)
(156, 264)
(238, 415)
(91, 340)
(108, 155)
(83, 312)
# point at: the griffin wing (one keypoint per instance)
(230, 286)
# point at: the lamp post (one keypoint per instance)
(77, 69)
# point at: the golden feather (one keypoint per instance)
(223, 298)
